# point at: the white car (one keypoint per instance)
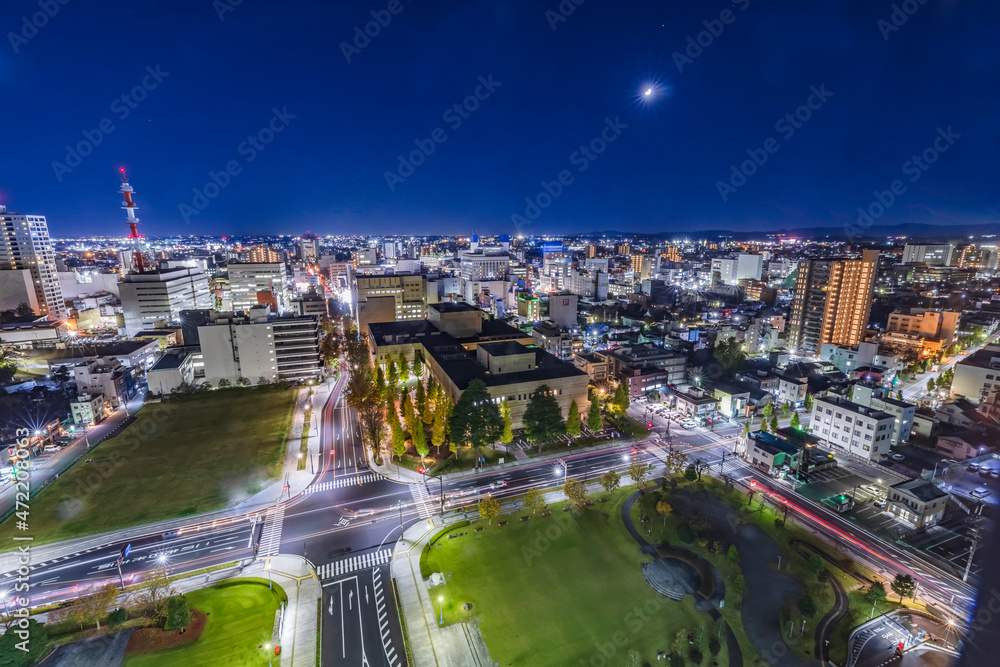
(897, 457)
(980, 492)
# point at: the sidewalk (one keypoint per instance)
(300, 626)
(297, 578)
(431, 644)
(261, 501)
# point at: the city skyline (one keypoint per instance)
(302, 123)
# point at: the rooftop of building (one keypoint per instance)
(504, 348)
(920, 489)
(90, 350)
(849, 406)
(173, 357)
(773, 444)
(452, 307)
(462, 367)
(154, 333)
(28, 323)
(987, 358)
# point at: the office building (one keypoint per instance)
(391, 298)
(25, 245)
(563, 309)
(917, 503)
(927, 330)
(858, 429)
(258, 283)
(157, 297)
(832, 302)
(309, 248)
(259, 346)
(461, 343)
(932, 255)
(106, 376)
(978, 374)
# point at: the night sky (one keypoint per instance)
(554, 82)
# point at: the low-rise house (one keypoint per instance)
(770, 453)
(696, 403)
(916, 502)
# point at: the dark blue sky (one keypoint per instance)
(325, 170)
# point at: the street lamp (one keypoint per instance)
(441, 607)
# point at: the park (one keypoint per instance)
(187, 455)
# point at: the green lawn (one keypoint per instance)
(240, 623)
(559, 590)
(184, 456)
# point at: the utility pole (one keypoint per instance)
(974, 538)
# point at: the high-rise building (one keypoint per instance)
(623, 249)
(392, 298)
(25, 244)
(309, 248)
(832, 302)
(260, 345)
(154, 296)
(978, 257)
(591, 251)
(253, 283)
(263, 253)
(934, 255)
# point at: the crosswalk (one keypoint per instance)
(354, 563)
(341, 482)
(423, 500)
(383, 620)
(270, 539)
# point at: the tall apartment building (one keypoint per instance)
(978, 257)
(591, 251)
(154, 296)
(263, 253)
(934, 255)
(861, 430)
(832, 302)
(260, 345)
(25, 244)
(254, 283)
(642, 266)
(623, 249)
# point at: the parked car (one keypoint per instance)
(973, 467)
(897, 457)
(995, 474)
(985, 472)
(880, 502)
(980, 492)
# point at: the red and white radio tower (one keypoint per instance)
(138, 263)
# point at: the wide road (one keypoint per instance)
(347, 521)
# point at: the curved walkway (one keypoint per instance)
(840, 603)
(732, 645)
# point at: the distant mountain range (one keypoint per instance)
(878, 231)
